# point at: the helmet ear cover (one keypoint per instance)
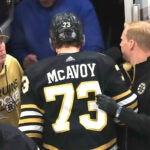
(66, 28)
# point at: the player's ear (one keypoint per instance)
(132, 44)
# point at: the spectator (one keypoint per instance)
(135, 47)
(13, 139)
(10, 80)
(60, 93)
(32, 18)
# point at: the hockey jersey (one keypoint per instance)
(59, 108)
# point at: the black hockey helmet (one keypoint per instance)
(66, 27)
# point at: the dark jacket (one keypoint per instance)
(138, 132)
(12, 138)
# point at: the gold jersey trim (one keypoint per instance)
(102, 147)
(122, 95)
(34, 135)
(32, 106)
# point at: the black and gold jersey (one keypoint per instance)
(59, 108)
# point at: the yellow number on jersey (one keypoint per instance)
(62, 124)
(25, 84)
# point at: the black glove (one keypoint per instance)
(107, 104)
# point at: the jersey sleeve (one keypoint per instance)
(115, 85)
(31, 117)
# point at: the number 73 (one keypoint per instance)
(62, 124)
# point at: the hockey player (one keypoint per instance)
(58, 107)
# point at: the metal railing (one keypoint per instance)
(136, 10)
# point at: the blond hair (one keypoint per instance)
(139, 31)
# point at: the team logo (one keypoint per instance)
(10, 102)
(141, 88)
(10, 106)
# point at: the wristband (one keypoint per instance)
(118, 112)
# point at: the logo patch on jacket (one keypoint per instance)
(141, 88)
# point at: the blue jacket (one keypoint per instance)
(30, 27)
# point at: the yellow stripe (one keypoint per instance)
(34, 135)
(103, 147)
(50, 147)
(37, 120)
(134, 105)
(122, 95)
(32, 106)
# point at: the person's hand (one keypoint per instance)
(107, 104)
(29, 59)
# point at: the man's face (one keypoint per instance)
(47, 3)
(2, 51)
(125, 47)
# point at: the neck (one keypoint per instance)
(140, 58)
(139, 55)
(67, 50)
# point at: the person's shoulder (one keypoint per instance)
(102, 58)
(97, 55)
(12, 62)
(11, 59)
(38, 70)
(12, 137)
(39, 66)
